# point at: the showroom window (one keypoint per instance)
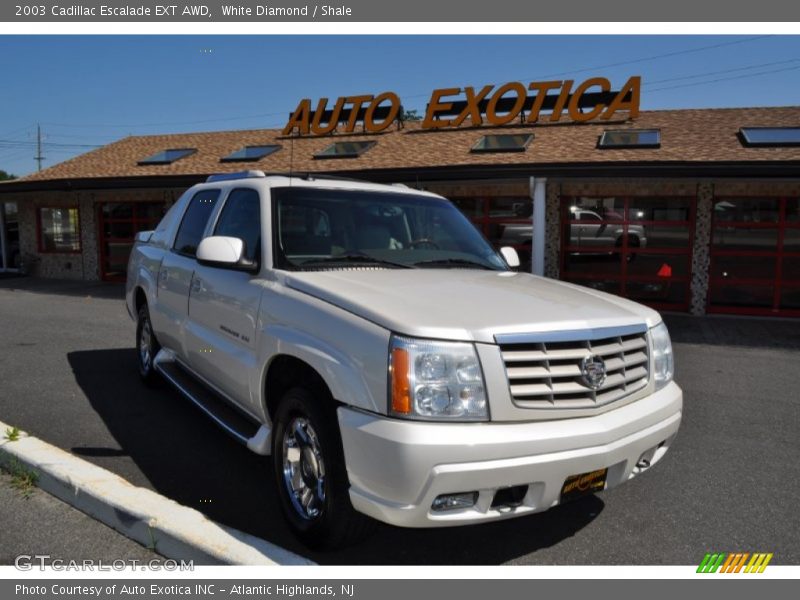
(755, 256)
(59, 229)
(639, 247)
(504, 220)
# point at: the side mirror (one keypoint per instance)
(510, 255)
(224, 252)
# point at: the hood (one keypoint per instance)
(467, 304)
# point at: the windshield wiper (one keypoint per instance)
(353, 257)
(455, 262)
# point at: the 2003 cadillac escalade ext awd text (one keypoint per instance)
(371, 341)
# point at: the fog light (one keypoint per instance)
(454, 501)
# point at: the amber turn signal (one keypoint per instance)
(401, 392)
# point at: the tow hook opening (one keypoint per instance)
(509, 497)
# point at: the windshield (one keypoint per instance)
(321, 228)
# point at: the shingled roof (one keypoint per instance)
(696, 135)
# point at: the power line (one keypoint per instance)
(769, 64)
(21, 144)
(749, 75)
(658, 56)
(634, 61)
(169, 123)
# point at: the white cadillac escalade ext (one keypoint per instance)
(371, 341)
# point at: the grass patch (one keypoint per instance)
(12, 434)
(23, 479)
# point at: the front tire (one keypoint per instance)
(310, 472)
(147, 347)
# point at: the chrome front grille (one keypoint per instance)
(545, 371)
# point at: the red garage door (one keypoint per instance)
(118, 224)
(632, 246)
(755, 256)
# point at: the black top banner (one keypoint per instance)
(407, 11)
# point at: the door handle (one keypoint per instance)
(197, 284)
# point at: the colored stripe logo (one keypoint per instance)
(735, 562)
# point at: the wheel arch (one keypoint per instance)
(286, 371)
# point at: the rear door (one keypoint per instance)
(224, 305)
(176, 271)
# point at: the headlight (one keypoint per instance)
(663, 362)
(433, 380)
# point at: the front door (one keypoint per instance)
(9, 237)
(224, 305)
(176, 271)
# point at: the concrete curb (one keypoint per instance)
(176, 531)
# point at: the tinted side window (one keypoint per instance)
(194, 221)
(241, 218)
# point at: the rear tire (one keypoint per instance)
(147, 348)
(310, 472)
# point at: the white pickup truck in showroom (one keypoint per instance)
(391, 363)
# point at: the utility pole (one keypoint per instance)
(39, 158)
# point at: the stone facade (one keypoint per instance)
(700, 250)
(84, 265)
(552, 245)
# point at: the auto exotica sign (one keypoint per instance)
(453, 107)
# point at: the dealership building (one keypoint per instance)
(685, 210)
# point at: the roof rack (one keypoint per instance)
(237, 175)
(260, 174)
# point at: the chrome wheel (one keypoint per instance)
(145, 343)
(303, 469)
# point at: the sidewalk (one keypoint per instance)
(42, 525)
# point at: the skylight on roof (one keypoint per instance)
(251, 153)
(630, 138)
(770, 136)
(503, 143)
(166, 157)
(345, 150)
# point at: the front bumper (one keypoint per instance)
(397, 468)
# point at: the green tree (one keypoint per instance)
(412, 115)
(6, 176)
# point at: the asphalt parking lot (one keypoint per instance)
(730, 483)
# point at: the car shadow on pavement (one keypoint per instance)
(169, 445)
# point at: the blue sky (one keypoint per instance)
(91, 90)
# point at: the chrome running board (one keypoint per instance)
(235, 423)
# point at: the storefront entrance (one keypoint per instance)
(755, 256)
(636, 247)
(9, 237)
(118, 223)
